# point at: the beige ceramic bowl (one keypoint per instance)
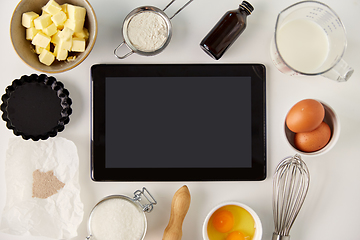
(332, 120)
(25, 49)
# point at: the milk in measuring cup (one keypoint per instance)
(303, 44)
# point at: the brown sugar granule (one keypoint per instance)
(45, 184)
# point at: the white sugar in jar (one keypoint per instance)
(119, 217)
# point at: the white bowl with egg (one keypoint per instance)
(26, 51)
(257, 234)
(331, 119)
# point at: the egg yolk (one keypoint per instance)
(223, 221)
(237, 235)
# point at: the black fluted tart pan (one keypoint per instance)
(36, 107)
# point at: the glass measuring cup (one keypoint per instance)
(310, 40)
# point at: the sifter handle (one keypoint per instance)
(179, 207)
(179, 9)
(126, 55)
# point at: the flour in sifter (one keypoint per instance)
(117, 219)
(147, 31)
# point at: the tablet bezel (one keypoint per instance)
(100, 72)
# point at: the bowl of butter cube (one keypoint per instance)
(53, 36)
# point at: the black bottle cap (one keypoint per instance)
(247, 6)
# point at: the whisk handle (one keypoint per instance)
(279, 237)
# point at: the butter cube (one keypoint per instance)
(43, 21)
(78, 45)
(62, 48)
(66, 33)
(59, 19)
(41, 40)
(61, 54)
(75, 25)
(84, 34)
(46, 57)
(55, 39)
(50, 30)
(38, 49)
(76, 13)
(65, 44)
(64, 8)
(31, 33)
(27, 19)
(52, 7)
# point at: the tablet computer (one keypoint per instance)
(178, 122)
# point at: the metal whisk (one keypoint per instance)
(290, 186)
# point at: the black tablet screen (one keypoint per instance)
(178, 122)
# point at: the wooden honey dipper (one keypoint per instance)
(179, 207)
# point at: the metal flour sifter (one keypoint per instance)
(127, 41)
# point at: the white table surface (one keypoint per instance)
(331, 210)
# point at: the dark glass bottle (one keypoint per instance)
(226, 31)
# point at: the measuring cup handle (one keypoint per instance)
(126, 55)
(341, 72)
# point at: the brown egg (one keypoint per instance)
(314, 140)
(305, 116)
